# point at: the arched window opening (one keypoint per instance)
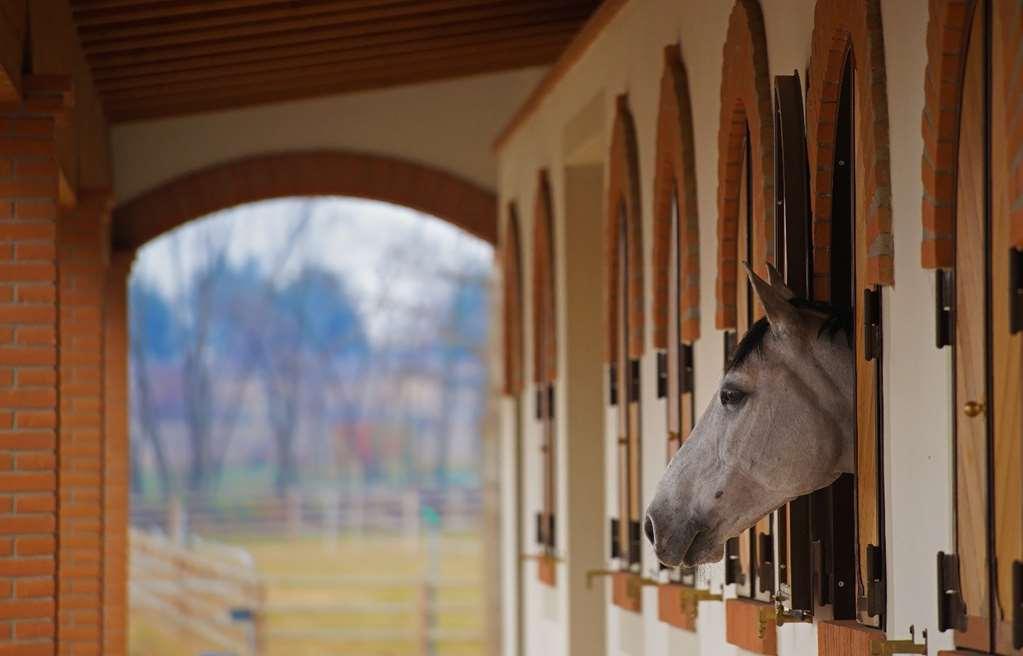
(309, 387)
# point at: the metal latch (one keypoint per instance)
(662, 374)
(884, 647)
(871, 323)
(780, 616)
(875, 581)
(943, 294)
(951, 608)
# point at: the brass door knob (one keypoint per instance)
(973, 408)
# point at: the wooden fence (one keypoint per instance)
(213, 594)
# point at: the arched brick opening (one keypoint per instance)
(511, 303)
(545, 324)
(315, 173)
(842, 29)
(675, 180)
(745, 104)
(623, 204)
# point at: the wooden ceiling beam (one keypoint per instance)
(561, 30)
(162, 107)
(128, 67)
(299, 29)
(352, 13)
(370, 66)
(437, 28)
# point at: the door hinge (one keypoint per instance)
(943, 294)
(1015, 290)
(729, 347)
(733, 566)
(765, 562)
(634, 542)
(633, 381)
(1017, 604)
(616, 545)
(875, 581)
(612, 379)
(541, 537)
(550, 401)
(951, 609)
(551, 540)
(539, 403)
(662, 374)
(685, 368)
(872, 323)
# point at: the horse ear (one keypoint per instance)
(782, 315)
(778, 282)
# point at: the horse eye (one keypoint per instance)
(731, 396)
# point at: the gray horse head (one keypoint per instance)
(781, 425)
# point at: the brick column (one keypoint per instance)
(116, 445)
(30, 186)
(82, 261)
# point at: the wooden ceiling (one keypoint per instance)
(153, 58)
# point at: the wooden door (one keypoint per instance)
(981, 589)
(679, 366)
(794, 570)
(629, 494)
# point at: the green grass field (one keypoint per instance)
(324, 601)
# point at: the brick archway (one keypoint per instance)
(675, 179)
(745, 103)
(305, 173)
(841, 28)
(623, 204)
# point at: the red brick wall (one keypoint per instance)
(841, 27)
(745, 102)
(29, 192)
(675, 176)
(623, 197)
(82, 258)
(115, 458)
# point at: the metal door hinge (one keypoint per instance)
(872, 323)
(616, 545)
(633, 381)
(951, 609)
(539, 403)
(550, 401)
(634, 541)
(765, 562)
(685, 368)
(1017, 604)
(551, 524)
(612, 377)
(943, 295)
(733, 566)
(730, 343)
(541, 537)
(662, 374)
(875, 581)
(1015, 290)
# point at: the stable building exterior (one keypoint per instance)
(625, 160)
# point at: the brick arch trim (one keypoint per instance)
(545, 307)
(624, 205)
(511, 302)
(675, 179)
(948, 30)
(305, 173)
(841, 28)
(745, 103)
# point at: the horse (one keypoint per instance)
(781, 425)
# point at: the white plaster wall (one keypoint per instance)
(627, 57)
(449, 124)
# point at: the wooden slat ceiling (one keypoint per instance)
(155, 58)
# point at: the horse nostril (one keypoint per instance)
(648, 528)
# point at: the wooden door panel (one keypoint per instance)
(1007, 356)
(970, 349)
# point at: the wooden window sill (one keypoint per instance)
(742, 620)
(845, 638)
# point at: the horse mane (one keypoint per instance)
(836, 320)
